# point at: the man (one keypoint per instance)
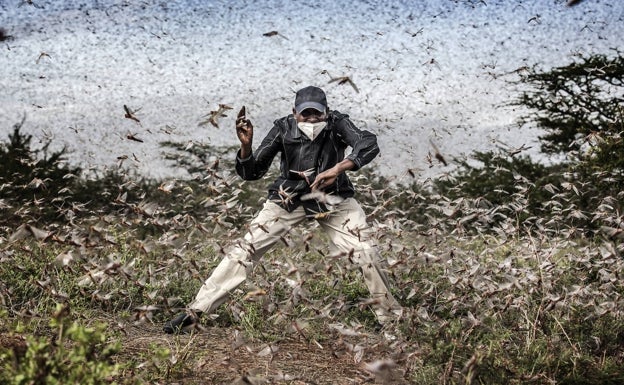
(312, 184)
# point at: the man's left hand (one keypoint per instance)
(324, 179)
(328, 177)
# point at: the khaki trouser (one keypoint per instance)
(347, 230)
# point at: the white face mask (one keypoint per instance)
(311, 130)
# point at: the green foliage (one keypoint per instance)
(601, 167)
(574, 102)
(39, 186)
(488, 316)
(74, 355)
(496, 177)
(491, 187)
(32, 178)
(580, 108)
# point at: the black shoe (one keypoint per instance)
(182, 323)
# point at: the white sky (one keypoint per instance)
(425, 70)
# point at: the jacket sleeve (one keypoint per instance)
(256, 165)
(363, 143)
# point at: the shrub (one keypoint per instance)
(74, 354)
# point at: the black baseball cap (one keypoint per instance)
(310, 97)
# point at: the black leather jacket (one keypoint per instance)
(302, 159)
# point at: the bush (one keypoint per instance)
(74, 354)
(32, 181)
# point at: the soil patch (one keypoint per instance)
(218, 355)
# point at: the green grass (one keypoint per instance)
(470, 324)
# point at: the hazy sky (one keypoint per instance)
(424, 70)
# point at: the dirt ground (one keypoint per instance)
(218, 355)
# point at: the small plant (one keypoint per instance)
(73, 354)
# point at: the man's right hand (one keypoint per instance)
(244, 131)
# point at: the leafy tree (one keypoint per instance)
(577, 103)
(581, 108)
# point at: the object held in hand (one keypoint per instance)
(241, 118)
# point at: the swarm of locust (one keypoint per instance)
(449, 267)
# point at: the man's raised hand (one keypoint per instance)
(244, 131)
